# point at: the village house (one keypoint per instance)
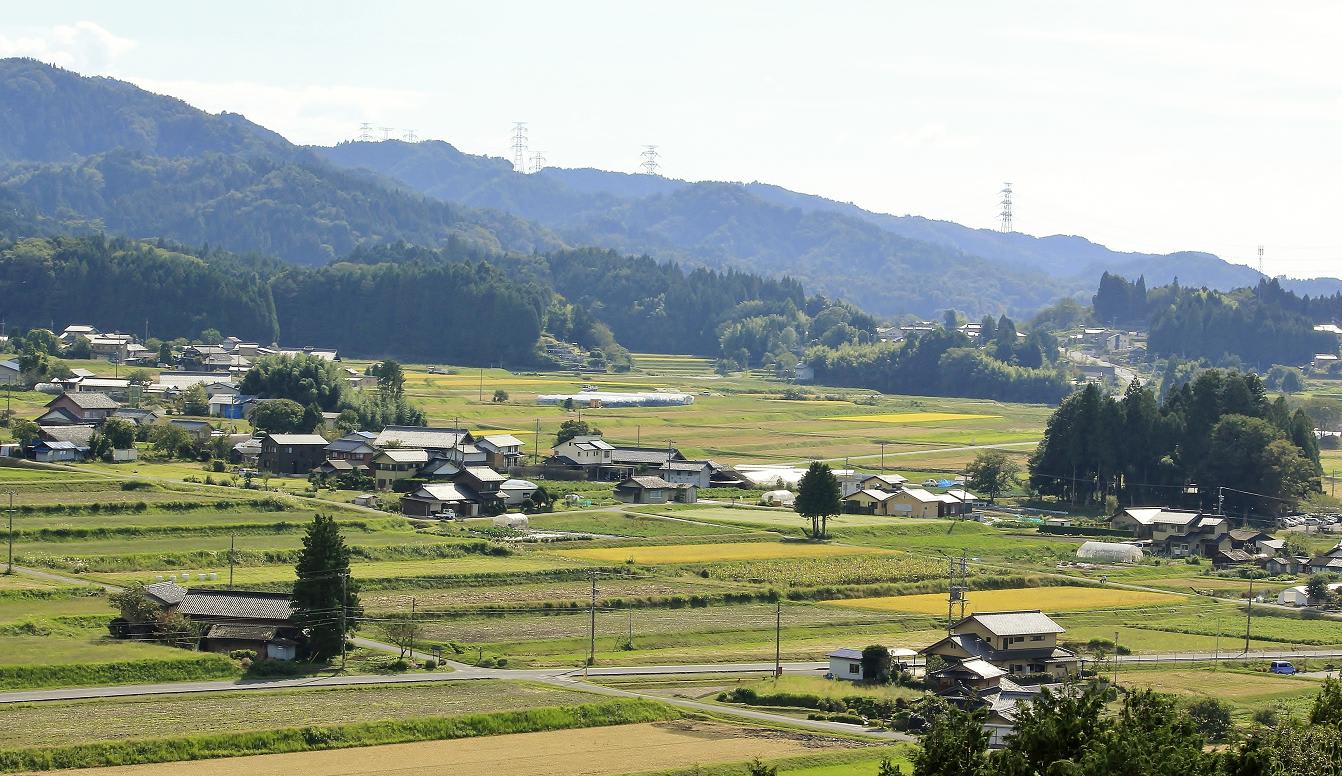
(10, 373)
(1326, 562)
(904, 502)
(588, 451)
(1203, 536)
(648, 489)
(442, 500)
(291, 453)
(625, 460)
(58, 452)
(70, 409)
(515, 493)
(232, 619)
(1019, 642)
(233, 406)
(1141, 522)
(199, 430)
(453, 444)
(696, 473)
(845, 664)
(138, 416)
(356, 447)
(397, 463)
(502, 451)
(81, 436)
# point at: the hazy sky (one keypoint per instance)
(1152, 126)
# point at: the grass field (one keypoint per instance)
(912, 417)
(1245, 691)
(709, 553)
(1049, 599)
(50, 724)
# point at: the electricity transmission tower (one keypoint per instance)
(520, 146)
(649, 163)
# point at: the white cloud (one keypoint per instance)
(313, 114)
(84, 46)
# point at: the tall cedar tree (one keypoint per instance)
(818, 497)
(323, 573)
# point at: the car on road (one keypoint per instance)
(1282, 667)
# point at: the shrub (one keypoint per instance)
(430, 664)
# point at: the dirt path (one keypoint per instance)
(584, 752)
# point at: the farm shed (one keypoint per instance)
(778, 498)
(846, 664)
(1110, 552)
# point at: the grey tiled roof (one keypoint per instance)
(240, 632)
(239, 604)
(1020, 623)
(92, 401)
(416, 436)
(646, 482)
(168, 593)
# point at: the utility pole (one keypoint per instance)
(536, 447)
(629, 642)
(883, 456)
(958, 573)
(231, 545)
(481, 395)
(1248, 625)
(778, 639)
(591, 612)
(344, 626)
(1216, 660)
(9, 568)
(1115, 658)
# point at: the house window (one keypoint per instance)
(1037, 638)
(853, 668)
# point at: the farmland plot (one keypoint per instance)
(708, 553)
(602, 751)
(1049, 599)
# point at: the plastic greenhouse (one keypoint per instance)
(1109, 552)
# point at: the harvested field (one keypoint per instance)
(559, 591)
(844, 570)
(1049, 599)
(584, 752)
(710, 553)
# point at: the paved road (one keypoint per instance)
(461, 672)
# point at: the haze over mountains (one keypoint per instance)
(96, 153)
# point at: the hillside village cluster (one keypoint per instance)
(993, 660)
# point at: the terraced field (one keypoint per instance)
(711, 553)
(1049, 599)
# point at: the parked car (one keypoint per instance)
(1282, 667)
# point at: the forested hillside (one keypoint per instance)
(1259, 326)
(124, 284)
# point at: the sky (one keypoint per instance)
(1145, 126)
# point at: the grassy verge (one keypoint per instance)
(303, 739)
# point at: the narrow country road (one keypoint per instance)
(902, 453)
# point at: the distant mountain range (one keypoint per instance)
(96, 153)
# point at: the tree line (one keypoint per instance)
(1258, 326)
(947, 362)
(1217, 431)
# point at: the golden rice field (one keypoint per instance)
(1049, 599)
(912, 417)
(710, 553)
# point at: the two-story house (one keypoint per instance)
(70, 409)
(1204, 536)
(587, 451)
(292, 453)
(1019, 642)
(357, 448)
(502, 451)
(396, 463)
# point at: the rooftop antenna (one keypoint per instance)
(1260, 261)
(410, 136)
(519, 146)
(649, 164)
(1006, 209)
(538, 161)
(386, 132)
(365, 131)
